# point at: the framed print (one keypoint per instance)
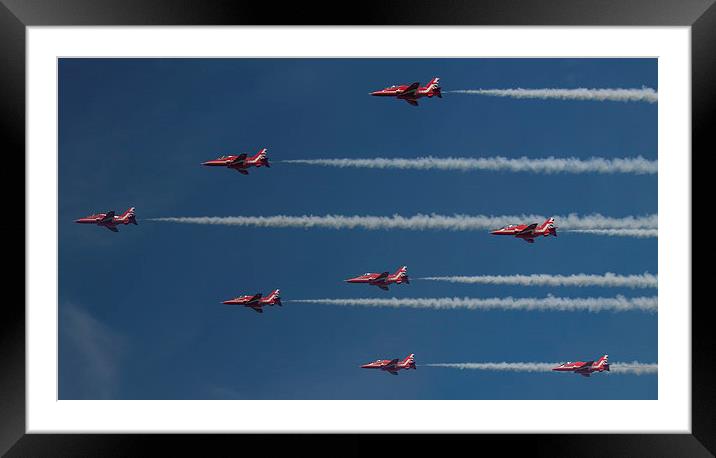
(388, 223)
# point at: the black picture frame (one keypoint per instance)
(16, 15)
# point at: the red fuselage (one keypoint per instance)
(585, 368)
(109, 219)
(528, 232)
(256, 301)
(240, 162)
(382, 280)
(392, 365)
(411, 92)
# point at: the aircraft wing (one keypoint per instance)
(584, 367)
(254, 299)
(109, 216)
(257, 309)
(243, 172)
(383, 287)
(585, 374)
(412, 88)
(412, 102)
(240, 158)
(393, 372)
(528, 229)
(381, 276)
(112, 228)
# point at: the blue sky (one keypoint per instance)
(140, 312)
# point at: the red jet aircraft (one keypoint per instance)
(392, 365)
(528, 232)
(382, 280)
(241, 162)
(256, 301)
(584, 368)
(109, 220)
(412, 92)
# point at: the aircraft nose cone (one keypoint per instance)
(375, 93)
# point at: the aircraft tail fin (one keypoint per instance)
(433, 87)
(262, 158)
(549, 227)
(408, 362)
(274, 298)
(603, 363)
(401, 275)
(129, 216)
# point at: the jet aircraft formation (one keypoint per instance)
(410, 93)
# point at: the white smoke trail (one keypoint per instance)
(503, 366)
(638, 233)
(637, 165)
(420, 222)
(645, 94)
(609, 280)
(549, 303)
(634, 367)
